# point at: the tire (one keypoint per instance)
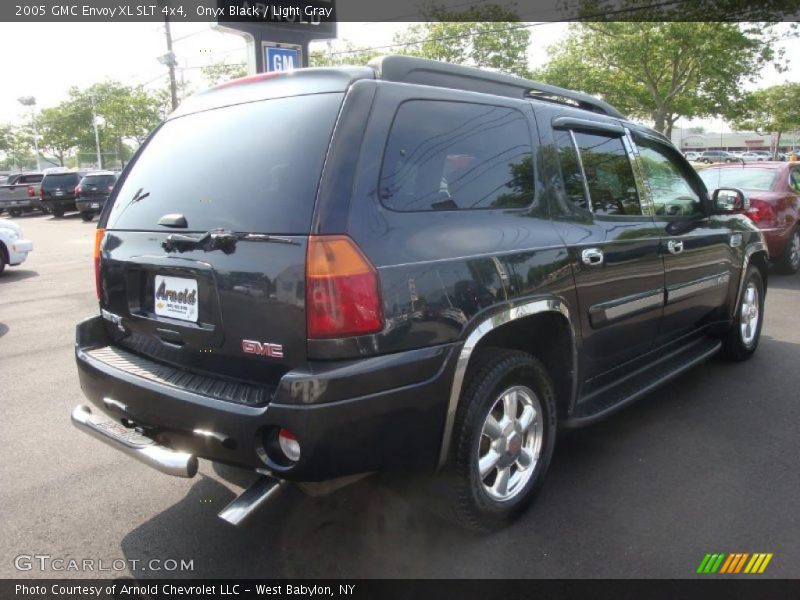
(3, 258)
(498, 375)
(741, 340)
(57, 212)
(44, 211)
(87, 216)
(789, 261)
(15, 212)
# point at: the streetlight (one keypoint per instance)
(31, 101)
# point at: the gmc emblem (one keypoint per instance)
(265, 349)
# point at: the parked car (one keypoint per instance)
(92, 193)
(773, 190)
(691, 155)
(571, 286)
(717, 156)
(13, 247)
(21, 193)
(58, 191)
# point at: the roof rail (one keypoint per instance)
(409, 69)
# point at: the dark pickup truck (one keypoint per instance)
(412, 266)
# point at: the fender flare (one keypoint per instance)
(751, 249)
(498, 319)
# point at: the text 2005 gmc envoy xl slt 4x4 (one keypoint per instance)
(411, 266)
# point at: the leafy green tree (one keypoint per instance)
(664, 70)
(59, 135)
(772, 110)
(220, 72)
(487, 36)
(16, 142)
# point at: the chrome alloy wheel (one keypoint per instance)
(510, 444)
(794, 249)
(749, 314)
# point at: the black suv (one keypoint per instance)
(411, 265)
(58, 191)
(92, 193)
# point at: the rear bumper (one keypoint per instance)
(90, 204)
(399, 428)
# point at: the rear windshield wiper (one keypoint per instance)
(217, 239)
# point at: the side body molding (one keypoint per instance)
(534, 307)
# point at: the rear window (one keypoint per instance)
(60, 180)
(747, 179)
(251, 167)
(98, 180)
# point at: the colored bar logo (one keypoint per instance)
(736, 562)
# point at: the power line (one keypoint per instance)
(513, 27)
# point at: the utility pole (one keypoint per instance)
(169, 60)
(96, 136)
(31, 102)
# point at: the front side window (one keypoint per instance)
(673, 194)
(457, 156)
(609, 177)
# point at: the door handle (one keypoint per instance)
(675, 246)
(592, 257)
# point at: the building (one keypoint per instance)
(689, 139)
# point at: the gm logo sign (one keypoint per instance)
(735, 563)
(281, 58)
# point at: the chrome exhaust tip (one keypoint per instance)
(253, 497)
(134, 444)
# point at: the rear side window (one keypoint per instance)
(457, 156)
(251, 167)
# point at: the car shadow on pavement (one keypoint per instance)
(619, 483)
(3, 329)
(14, 274)
(783, 282)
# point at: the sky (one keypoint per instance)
(85, 53)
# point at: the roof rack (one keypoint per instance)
(408, 69)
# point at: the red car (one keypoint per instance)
(774, 192)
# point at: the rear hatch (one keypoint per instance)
(60, 185)
(96, 187)
(205, 247)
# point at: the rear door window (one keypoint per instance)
(251, 167)
(98, 180)
(444, 155)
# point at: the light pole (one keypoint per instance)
(95, 123)
(31, 101)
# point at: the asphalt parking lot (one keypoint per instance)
(708, 464)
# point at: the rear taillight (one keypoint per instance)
(31, 192)
(342, 292)
(98, 240)
(761, 213)
(77, 190)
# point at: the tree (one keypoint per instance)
(489, 37)
(663, 71)
(220, 72)
(772, 110)
(16, 142)
(59, 134)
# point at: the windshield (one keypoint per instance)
(738, 177)
(251, 167)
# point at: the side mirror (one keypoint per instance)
(729, 200)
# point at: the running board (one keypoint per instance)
(253, 497)
(643, 381)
